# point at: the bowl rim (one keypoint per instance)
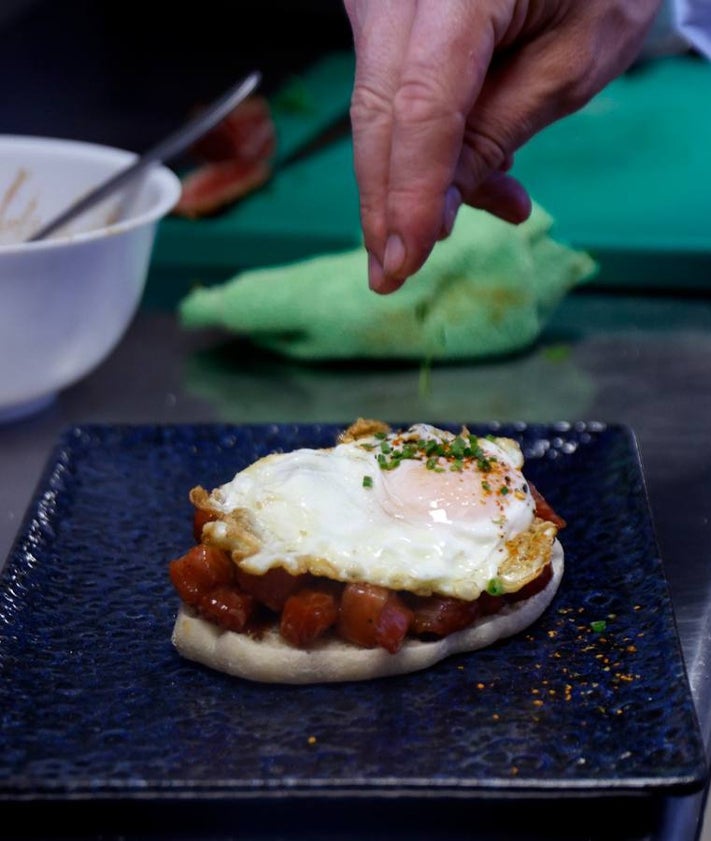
(168, 183)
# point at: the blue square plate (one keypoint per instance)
(95, 702)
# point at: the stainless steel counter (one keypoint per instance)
(644, 361)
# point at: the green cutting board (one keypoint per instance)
(627, 178)
(309, 206)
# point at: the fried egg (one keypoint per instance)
(422, 510)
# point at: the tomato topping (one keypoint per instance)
(371, 615)
(441, 615)
(544, 510)
(273, 588)
(366, 615)
(227, 607)
(393, 624)
(199, 571)
(488, 604)
(307, 615)
(201, 517)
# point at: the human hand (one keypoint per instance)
(446, 91)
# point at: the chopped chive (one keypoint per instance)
(458, 447)
(495, 587)
(598, 625)
(367, 481)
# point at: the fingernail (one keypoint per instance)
(378, 281)
(394, 257)
(452, 203)
(375, 273)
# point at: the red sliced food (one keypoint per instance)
(234, 159)
(246, 133)
(212, 186)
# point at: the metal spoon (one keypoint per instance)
(166, 149)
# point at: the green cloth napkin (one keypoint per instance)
(486, 290)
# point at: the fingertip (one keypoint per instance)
(378, 280)
(520, 206)
(389, 285)
(505, 197)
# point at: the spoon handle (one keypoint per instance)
(166, 149)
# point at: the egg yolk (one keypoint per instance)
(440, 494)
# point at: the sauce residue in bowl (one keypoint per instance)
(14, 226)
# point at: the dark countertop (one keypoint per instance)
(639, 360)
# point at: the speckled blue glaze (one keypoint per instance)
(95, 702)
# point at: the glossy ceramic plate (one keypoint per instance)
(95, 702)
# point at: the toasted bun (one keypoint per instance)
(270, 659)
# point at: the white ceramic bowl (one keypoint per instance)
(66, 302)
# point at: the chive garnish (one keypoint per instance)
(598, 625)
(495, 587)
(460, 450)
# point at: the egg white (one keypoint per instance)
(429, 526)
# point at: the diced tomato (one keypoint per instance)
(227, 607)
(307, 615)
(488, 604)
(544, 510)
(199, 571)
(440, 615)
(371, 616)
(366, 615)
(201, 517)
(393, 624)
(273, 588)
(361, 605)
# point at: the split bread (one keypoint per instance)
(269, 659)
